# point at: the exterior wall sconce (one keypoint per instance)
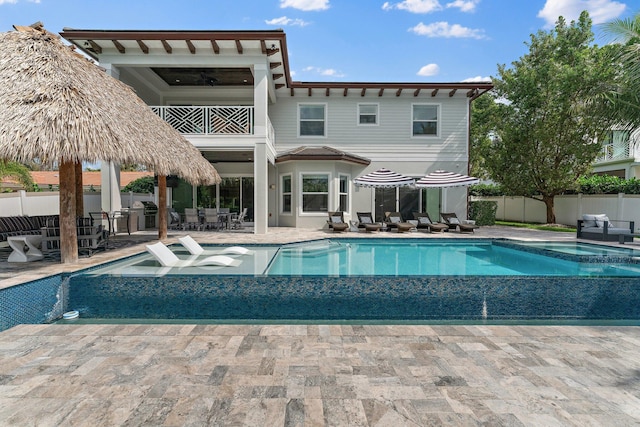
(272, 186)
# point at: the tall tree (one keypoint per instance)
(17, 171)
(485, 112)
(547, 130)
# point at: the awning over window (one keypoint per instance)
(321, 153)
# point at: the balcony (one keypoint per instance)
(208, 120)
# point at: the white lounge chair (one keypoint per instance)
(194, 248)
(167, 258)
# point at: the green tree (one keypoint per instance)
(547, 130)
(17, 171)
(485, 112)
(141, 185)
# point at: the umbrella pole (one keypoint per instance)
(162, 207)
(79, 190)
(68, 231)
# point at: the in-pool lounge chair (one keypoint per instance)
(425, 223)
(452, 220)
(336, 222)
(394, 220)
(365, 220)
(167, 258)
(194, 248)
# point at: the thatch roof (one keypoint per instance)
(57, 105)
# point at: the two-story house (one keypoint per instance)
(286, 150)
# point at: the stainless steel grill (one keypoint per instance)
(150, 210)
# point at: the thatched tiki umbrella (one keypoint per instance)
(60, 108)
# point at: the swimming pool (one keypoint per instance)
(471, 279)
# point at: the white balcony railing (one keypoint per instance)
(208, 120)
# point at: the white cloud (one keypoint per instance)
(329, 72)
(8, 1)
(284, 21)
(444, 29)
(599, 10)
(477, 79)
(429, 70)
(415, 6)
(464, 5)
(306, 5)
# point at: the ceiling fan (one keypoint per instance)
(206, 80)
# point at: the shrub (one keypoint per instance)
(483, 212)
(486, 190)
(141, 185)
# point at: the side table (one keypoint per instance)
(17, 243)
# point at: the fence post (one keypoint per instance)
(23, 201)
(620, 206)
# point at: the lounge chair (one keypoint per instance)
(365, 220)
(191, 219)
(194, 248)
(394, 220)
(237, 220)
(167, 258)
(336, 222)
(452, 220)
(425, 223)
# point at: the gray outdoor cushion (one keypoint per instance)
(588, 220)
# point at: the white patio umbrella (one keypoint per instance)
(442, 179)
(383, 178)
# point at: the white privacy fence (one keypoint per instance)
(48, 203)
(568, 208)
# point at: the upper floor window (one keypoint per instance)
(312, 120)
(367, 114)
(425, 120)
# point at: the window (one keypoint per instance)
(367, 114)
(315, 192)
(343, 193)
(425, 120)
(286, 194)
(312, 120)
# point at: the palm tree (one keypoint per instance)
(18, 171)
(626, 98)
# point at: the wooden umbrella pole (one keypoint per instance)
(162, 207)
(68, 232)
(79, 190)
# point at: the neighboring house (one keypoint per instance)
(286, 150)
(49, 180)
(620, 154)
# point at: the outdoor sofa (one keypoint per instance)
(21, 225)
(600, 227)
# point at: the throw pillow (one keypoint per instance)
(394, 219)
(454, 221)
(365, 220)
(588, 220)
(600, 219)
(336, 219)
(424, 220)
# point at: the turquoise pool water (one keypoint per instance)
(406, 257)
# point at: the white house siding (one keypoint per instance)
(391, 140)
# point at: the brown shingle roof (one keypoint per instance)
(321, 153)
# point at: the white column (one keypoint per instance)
(260, 160)
(110, 187)
(110, 172)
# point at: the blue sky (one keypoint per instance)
(345, 40)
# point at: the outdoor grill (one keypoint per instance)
(150, 210)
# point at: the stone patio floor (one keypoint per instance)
(325, 375)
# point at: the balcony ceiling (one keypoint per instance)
(205, 76)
